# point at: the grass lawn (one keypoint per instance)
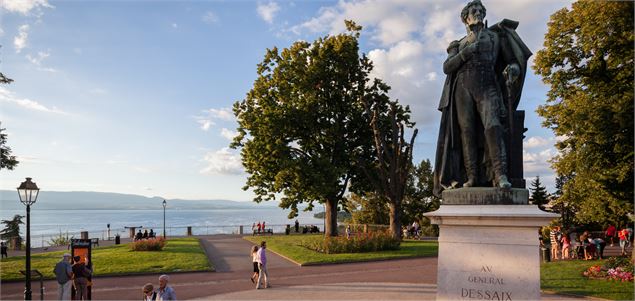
(179, 254)
(289, 246)
(566, 277)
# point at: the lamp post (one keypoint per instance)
(164, 204)
(28, 193)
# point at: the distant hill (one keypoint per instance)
(105, 200)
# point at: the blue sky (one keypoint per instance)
(135, 96)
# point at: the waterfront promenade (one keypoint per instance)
(406, 279)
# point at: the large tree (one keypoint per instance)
(539, 195)
(302, 126)
(419, 197)
(389, 168)
(587, 61)
(12, 228)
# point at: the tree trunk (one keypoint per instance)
(395, 220)
(331, 218)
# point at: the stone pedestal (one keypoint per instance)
(488, 245)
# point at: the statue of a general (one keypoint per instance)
(480, 138)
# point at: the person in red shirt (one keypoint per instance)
(610, 233)
(623, 234)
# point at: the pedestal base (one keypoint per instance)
(489, 252)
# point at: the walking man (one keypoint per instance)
(262, 265)
(63, 273)
(3, 250)
(165, 292)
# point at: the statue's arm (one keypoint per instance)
(457, 57)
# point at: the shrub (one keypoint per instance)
(359, 243)
(61, 240)
(151, 244)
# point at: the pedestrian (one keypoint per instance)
(259, 227)
(81, 273)
(623, 235)
(610, 233)
(263, 227)
(63, 274)
(148, 292)
(297, 226)
(553, 238)
(348, 231)
(254, 261)
(3, 250)
(165, 292)
(262, 265)
(253, 229)
(600, 244)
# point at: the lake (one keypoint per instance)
(48, 223)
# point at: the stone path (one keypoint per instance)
(407, 279)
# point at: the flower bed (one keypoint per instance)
(150, 244)
(615, 268)
(362, 242)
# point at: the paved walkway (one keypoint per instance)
(407, 279)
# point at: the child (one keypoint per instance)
(254, 260)
(566, 246)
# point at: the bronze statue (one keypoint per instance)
(480, 138)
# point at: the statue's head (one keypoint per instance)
(469, 14)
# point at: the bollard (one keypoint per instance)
(117, 239)
(240, 230)
(189, 231)
(546, 256)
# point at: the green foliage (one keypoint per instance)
(358, 243)
(367, 208)
(588, 63)
(623, 262)
(179, 255)
(342, 216)
(301, 126)
(12, 227)
(7, 161)
(60, 240)
(290, 246)
(150, 244)
(419, 197)
(539, 195)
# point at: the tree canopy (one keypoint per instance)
(587, 61)
(302, 126)
(7, 161)
(12, 227)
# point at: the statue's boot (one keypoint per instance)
(498, 156)
(470, 159)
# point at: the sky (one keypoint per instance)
(136, 96)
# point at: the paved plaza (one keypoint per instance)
(406, 279)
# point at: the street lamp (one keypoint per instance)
(28, 193)
(164, 204)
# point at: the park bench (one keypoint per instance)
(94, 242)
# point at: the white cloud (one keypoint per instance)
(207, 121)
(37, 60)
(223, 161)
(537, 141)
(268, 11)
(210, 17)
(20, 41)
(23, 6)
(205, 124)
(10, 97)
(228, 134)
(538, 162)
